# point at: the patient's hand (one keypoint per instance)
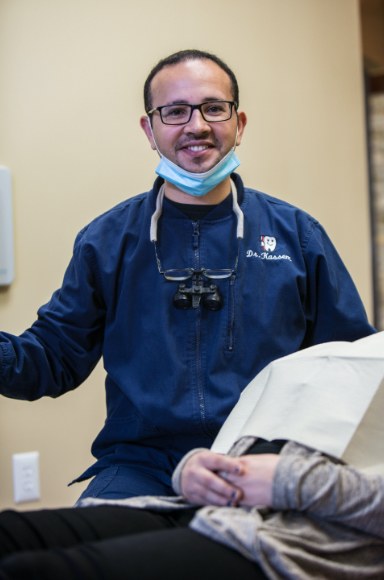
(202, 484)
(255, 479)
(209, 478)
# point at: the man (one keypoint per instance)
(187, 291)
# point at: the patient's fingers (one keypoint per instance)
(202, 482)
(213, 493)
(256, 479)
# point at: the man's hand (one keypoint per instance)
(204, 479)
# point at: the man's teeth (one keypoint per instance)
(197, 147)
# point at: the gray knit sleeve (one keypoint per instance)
(307, 481)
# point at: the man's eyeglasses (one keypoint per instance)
(183, 274)
(181, 113)
(200, 292)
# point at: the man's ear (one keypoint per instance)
(145, 124)
(241, 122)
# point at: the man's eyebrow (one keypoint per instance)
(177, 102)
(185, 102)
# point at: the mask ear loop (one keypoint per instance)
(159, 202)
(153, 137)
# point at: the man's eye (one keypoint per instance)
(215, 109)
(175, 112)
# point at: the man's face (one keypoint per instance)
(198, 145)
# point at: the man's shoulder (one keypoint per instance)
(262, 196)
(119, 217)
(121, 209)
(271, 204)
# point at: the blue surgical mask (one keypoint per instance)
(197, 184)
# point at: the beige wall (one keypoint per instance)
(71, 76)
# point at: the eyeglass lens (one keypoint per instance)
(181, 275)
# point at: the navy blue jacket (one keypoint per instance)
(174, 375)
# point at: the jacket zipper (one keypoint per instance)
(199, 373)
(196, 243)
(231, 311)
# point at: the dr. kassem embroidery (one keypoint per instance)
(267, 256)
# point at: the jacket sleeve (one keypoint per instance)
(63, 346)
(334, 309)
(309, 482)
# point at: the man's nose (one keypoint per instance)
(197, 122)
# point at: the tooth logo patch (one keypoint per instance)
(268, 243)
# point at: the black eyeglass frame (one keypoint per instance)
(184, 274)
(233, 106)
(191, 297)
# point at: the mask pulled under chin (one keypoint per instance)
(197, 184)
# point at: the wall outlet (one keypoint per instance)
(26, 480)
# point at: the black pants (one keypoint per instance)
(113, 543)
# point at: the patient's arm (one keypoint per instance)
(312, 483)
(297, 479)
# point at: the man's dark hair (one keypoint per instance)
(182, 56)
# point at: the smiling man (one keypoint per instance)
(187, 291)
(194, 137)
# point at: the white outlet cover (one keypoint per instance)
(26, 480)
